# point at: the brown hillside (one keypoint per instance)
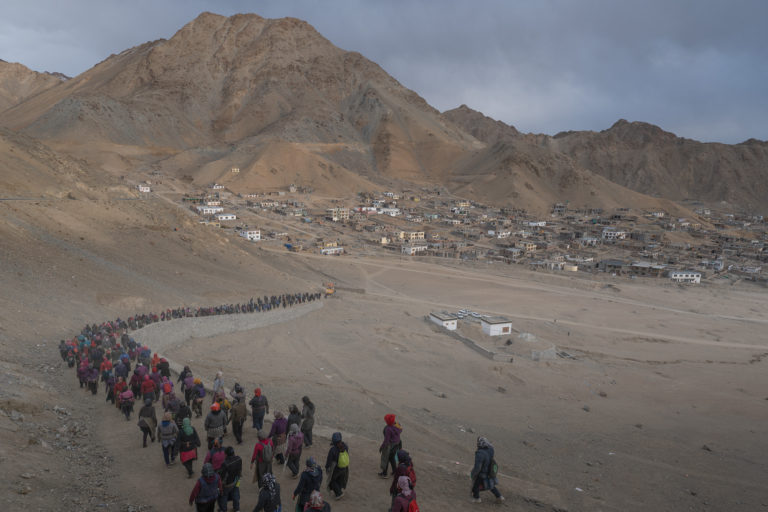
(18, 82)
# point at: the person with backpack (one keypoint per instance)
(148, 388)
(484, 471)
(316, 503)
(216, 456)
(404, 468)
(405, 500)
(293, 449)
(308, 416)
(148, 420)
(259, 408)
(337, 465)
(158, 380)
(231, 472)
(309, 483)
(214, 424)
(390, 445)
(269, 495)
(207, 490)
(167, 433)
(188, 442)
(263, 453)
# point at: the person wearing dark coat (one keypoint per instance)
(310, 480)
(259, 408)
(207, 490)
(148, 421)
(188, 443)
(339, 474)
(481, 481)
(231, 473)
(269, 495)
(308, 415)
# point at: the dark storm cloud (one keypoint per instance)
(697, 68)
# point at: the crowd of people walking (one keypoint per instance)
(130, 371)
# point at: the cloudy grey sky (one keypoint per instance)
(698, 68)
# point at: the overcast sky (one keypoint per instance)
(698, 68)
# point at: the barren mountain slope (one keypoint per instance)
(225, 82)
(647, 159)
(18, 82)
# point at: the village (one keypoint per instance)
(431, 223)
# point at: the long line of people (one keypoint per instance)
(106, 352)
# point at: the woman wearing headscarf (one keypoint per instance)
(390, 445)
(316, 503)
(259, 408)
(188, 442)
(269, 495)
(218, 384)
(167, 432)
(308, 415)
(262, 460)
(278, 434)
(293, 449)
(310, 481)
(404, 468)
(337, 465)
(405, 495)
(148, 420)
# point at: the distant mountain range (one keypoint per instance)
(282, 103)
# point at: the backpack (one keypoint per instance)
(343, 461)
(267, 453)
(413, 506)
(493, 468)
(166, 387)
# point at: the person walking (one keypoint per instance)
(148, 421)
(231, 473)
(239, 415)
(316, 503)
(279, 434)
(216, 456)
(293, 449)
(259, 408)
(214, 424)
(269, 495)
(294, 416)
(308, 416)
(404, 468)
(207, 490)
(188, 442)
(263, 453)
(483, 473)
(167, 433)
(405, 495)
(390, 445)
(337, 465)
(218, 384)
(310, 481)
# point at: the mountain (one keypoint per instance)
(647, 159)
(237, 85)
(638, 156)
(279, 101)
(18, 82)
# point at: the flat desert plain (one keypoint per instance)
(662, 405)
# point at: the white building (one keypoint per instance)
(226, 216)
(412, 250)
(611, 234)
(392, 212)
(496, 326)
(216, 186)
(332, 251)
(209, 210)
(254, 235)
(685, 276)
(444, 319)
(144, 188)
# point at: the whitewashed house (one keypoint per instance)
(209, 210)
(332, 251)
(496, 326)
(413, 249)
(226, 216)
(445, 320)
(254, 235)
(685, 276)
(144, 188)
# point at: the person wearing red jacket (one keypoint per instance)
(148, 388)
(263, 464)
